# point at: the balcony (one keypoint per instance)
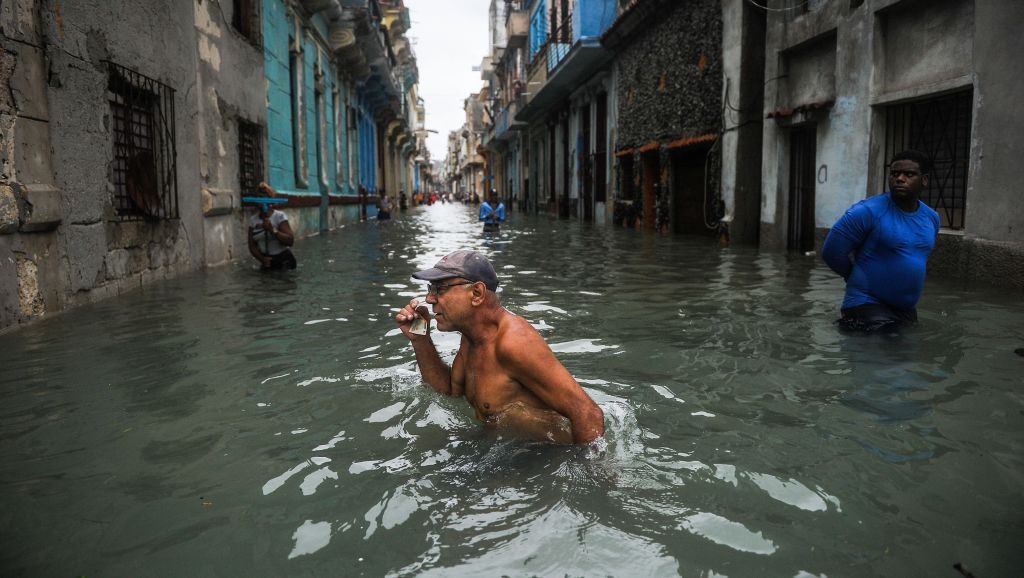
(517, 28)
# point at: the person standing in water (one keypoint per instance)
(492, 212)
(270, 235)
(504, 368)
(889, 238)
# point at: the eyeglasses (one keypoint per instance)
(438, 290)
(894, 174)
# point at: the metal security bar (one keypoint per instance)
(250, 157)
(144, 171)
(247, 20)
(941, 128)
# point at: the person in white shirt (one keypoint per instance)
(270, 235)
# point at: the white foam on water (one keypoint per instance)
(318, 379)
(315, 321)
(581, 346)
(310, 537)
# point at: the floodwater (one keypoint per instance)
(233, 423)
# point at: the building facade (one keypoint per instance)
(131, 130)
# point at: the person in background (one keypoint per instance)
(504, 368)
(384, 208)
(492, 213)
(880, 247)
(403, 201)
(270, 235)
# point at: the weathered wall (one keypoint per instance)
(670, 77)
(103, 256)
(60, 241)
(889, 52)
(230, 86)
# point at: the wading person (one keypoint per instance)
(492, 212)
(503, 367)
(881, 248)
(270, 235)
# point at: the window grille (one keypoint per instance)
(941, 128)
(247, 20)
(144, 171)
(250, 157)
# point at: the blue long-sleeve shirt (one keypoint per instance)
(890, 249)
(489, 214)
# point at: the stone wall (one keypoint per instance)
(670, 77)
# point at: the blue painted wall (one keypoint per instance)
(592, 17)
(277, 28)
(538, 27)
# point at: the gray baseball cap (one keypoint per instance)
(469, 265)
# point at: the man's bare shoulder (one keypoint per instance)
(517, 335)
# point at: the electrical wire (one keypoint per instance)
(787, 9)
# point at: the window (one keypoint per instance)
(246, 20)
(940, 127)
(538, 29)
(250, 157)
(320, 102)
(143, 172)
(298, 78)
(339, 138)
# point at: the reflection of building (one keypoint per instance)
(131, 131)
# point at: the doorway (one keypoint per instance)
(800, 230)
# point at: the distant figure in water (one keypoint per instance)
(504, 367)
(384, 208)
(270, 235)
(889, 238)
(492, 213)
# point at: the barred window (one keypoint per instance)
(246, 20)
(939, 127)
(143, 172)
(250, 157)
(298, 85)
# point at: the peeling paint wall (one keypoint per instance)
(61, 241)
(230, 87)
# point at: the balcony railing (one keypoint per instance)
(556, 46)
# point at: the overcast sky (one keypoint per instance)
(450, 38)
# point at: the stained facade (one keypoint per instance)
(131, 130)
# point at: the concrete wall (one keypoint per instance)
(230, 86)
(886, 53)
(68, 246)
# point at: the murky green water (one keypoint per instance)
(237, 424)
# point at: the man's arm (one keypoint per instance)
(285, 234)
(255, 251)
(434, 370)
(845, 237)
(485, 211)
(529, 360)
(501, 212)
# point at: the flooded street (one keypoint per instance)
(233, 423)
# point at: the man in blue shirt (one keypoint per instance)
(492, 212)
(881, 248)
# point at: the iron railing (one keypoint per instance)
(248, 21)
(939, 127)
(250, 157)
(144, 170)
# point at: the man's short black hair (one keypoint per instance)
(923, 162)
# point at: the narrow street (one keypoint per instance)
(229, 422)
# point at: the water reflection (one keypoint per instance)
(236, 423)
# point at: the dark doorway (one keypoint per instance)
(601, 150)
(650, 178)
(588, 167)
(563, 205)
(802, 144)
(689, 183)
(552, 203)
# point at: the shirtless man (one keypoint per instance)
(504, 367)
